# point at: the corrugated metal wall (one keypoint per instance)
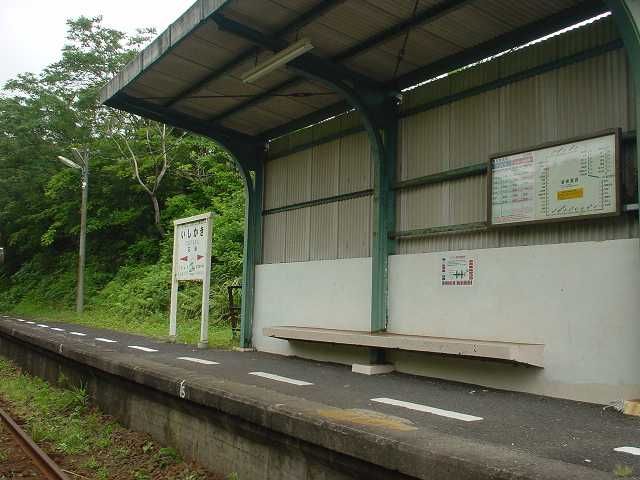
(574, 100)
(336, 230)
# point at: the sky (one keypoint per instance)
(32, 32)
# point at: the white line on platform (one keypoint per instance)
(278, 378)
(31, 323)
(631, 450)
(144, 349)
(57, 329)
(424, 408)
(78, 334)
(198, 360)
(21, 320)
(106, 340)
(43, 325)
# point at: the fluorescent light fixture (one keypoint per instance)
(279, 59)
(69, 163)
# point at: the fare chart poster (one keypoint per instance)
(574, 179)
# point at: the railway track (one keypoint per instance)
(40, 459)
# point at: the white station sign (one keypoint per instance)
(191, 250)
(192, 261)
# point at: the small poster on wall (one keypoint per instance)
(458, 270)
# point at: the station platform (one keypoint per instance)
(267, 416)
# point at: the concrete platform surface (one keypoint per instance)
(420, 427)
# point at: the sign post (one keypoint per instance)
(192, 262)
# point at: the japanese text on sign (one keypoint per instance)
(569, 180)
(191, 250)
(458, 271)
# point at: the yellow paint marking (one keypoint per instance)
(368, 418)
(571, 194)
(632, 407)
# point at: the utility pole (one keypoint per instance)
(83, 166)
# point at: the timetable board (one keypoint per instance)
(573, 179)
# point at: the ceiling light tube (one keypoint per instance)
(279, 59)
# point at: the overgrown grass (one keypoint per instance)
(153, 325)
(135, 299)
(59, 417)
(94, 446)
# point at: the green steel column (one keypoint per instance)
(254, 180)
(383, 216)
(626, 14)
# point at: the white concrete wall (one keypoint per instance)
(581, 300)
(324, 294)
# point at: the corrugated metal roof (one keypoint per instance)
(195, 57)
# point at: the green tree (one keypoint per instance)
(143, 175)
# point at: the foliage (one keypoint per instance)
(92, 445)
(156, 325)
(128, 253)
(623, 471)
(60, 417)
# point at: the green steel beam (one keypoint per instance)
(430, 14)
(384, 209)
(254, 100)
(159, 113)
(529, 32)
(462, 228)
(438, 231)
(319, 201)
(626, 14)
(318, 141)
(378, 113)
(306, 120)
(378, 110)
(446, 176)
(299, 22)
(501, 82)
(301, 65)
(249, 154)
(517, 77)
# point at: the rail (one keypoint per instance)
(40, 459)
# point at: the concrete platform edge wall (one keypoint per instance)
(217, 422)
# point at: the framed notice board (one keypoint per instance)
(575, 178)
